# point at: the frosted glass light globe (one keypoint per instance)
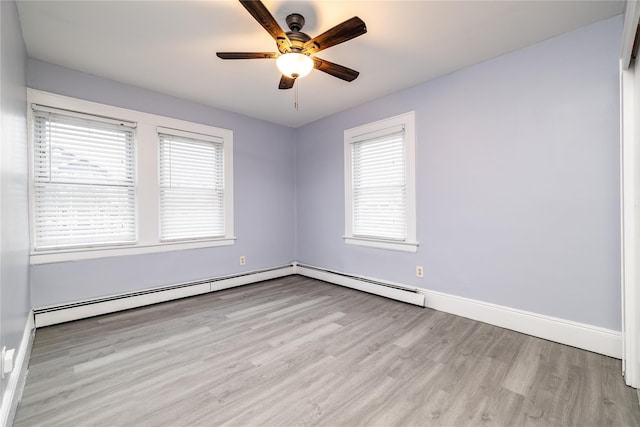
(294, 65)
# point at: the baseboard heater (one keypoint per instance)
(51, 315)
(372, 286)
(55, 314)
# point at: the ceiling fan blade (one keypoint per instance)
(261, 14)
(335, 70)
(348, 30)
(286, 82)
(247, 55)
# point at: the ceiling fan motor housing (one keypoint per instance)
(295, 22)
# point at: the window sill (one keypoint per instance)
(383, 244)
(76, 254)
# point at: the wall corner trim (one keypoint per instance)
(13, 391)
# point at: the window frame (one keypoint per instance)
(147, 175)
(410, 243)
(198, 138)
(61, 120)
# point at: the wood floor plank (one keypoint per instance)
(297, 351)
(524, 367)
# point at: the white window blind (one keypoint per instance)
(191, 186)
(379, 185)
(84, 180)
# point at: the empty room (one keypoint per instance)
(323, 213)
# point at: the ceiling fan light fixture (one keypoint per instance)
(294, 65)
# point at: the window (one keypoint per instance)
(380, 184)
(108, 181)
(84, 189)
(191, 186)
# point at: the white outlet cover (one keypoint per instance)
(7, 361)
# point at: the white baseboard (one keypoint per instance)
(575, 334)
(393, 290)
(12, 393)
(52, 315)
(580, 335)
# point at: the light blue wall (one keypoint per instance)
(14, 227)
(517, 181)
(517, 177)
(264, 196)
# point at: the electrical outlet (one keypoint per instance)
(419, 271)
(243, 260)
(7, 360)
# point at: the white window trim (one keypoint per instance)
(408, 121)
(195, 137)
(50, 123)
(147, 180)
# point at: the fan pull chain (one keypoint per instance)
(296, 105)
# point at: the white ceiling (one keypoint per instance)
(170, 46)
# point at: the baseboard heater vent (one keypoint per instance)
(377, 287)
(51, 315)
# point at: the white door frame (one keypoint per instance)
(630, 196)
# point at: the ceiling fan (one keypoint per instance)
(295, 48)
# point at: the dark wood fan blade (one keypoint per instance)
(335, 70)
(261, 14)
(286, 82)
(247, 55)
(348, 30)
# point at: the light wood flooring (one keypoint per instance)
(297, 351)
